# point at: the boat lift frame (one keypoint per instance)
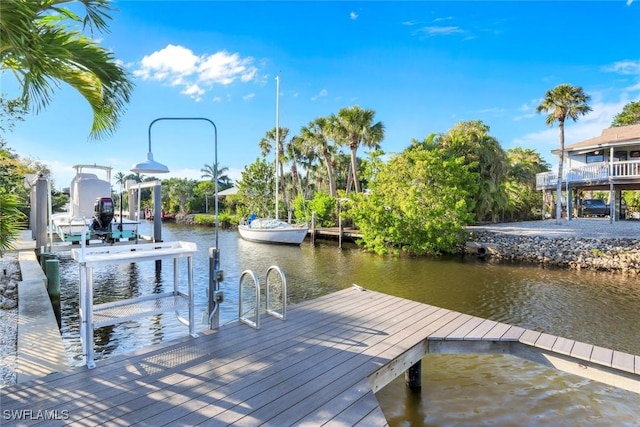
(96, 316)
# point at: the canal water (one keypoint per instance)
(597, 308)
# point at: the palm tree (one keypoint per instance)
(483, 154)
(561, 102)
(41, 50)
(316, 136)
(266, 145)
(354, 126)
(213, 171)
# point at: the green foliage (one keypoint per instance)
(256, 189)
(11, 220)
(176, 194)
(226, 219)
(418, 204)
(322, 204)
(40, 45)
(630, 115)
(485, 157)
(523, 200)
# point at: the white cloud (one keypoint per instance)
(179, 66)
(409, 23)
(321, 94)
(353, 16)
(624, 67)
(248, 97)
(431, 31)
(629, 2)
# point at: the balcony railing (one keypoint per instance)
(593, 173)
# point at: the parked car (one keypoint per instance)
(593, 207)
(623, 211)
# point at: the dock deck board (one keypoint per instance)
(318, 367)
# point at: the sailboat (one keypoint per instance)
(273, 230)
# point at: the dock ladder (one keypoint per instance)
(274, 308)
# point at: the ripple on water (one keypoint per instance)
(473, 390)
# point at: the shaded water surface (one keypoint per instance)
(600, 309)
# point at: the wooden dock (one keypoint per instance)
(321, 366)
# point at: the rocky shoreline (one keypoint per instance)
(615, 255)
(9, 277)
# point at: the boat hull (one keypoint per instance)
(283, 235)
(70, 229)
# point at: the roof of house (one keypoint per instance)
(615, 136)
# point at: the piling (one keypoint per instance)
(314, 219)
(52, 271)
(413, 377)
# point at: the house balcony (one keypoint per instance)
(595, 176)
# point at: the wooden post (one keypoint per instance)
(340, 231)
(413, 377)
(314, 218)
(52, 271)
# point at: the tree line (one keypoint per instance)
(415, 201)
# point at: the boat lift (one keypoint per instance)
(96, 316)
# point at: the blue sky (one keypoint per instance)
(422, 66)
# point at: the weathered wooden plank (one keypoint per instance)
(496, 332)
(310, 370)
(581, 350)
(289, 369)
(230, 382)
(546, 341)
(345, 409)
(514, 333)
(623, 361)
(163, 355)
(530, 337)
(442, 332)
(463, 330)
(563, 346)
(602, 356)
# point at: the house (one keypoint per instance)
(609, 162)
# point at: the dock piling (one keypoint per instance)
(413, 377)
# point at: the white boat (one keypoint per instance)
(270, 230)
(91, 206)
(273, 230)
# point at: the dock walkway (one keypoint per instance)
(321, 366)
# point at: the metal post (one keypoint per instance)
(131, 195)
(215, 296)
(157, 215)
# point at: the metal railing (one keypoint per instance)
(596, 172)
(283, 293)
(246, 315)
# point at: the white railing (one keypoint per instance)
(596, 172)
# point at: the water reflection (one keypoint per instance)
(597, 308)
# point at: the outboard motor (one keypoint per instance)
(102, 214)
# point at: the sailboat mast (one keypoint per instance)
(277, 138)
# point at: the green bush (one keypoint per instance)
(11, 220)
(322, 204)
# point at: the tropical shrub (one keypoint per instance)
(417, 204)
(11, 220)
(322, 204)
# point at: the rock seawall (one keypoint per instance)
(617, 255)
